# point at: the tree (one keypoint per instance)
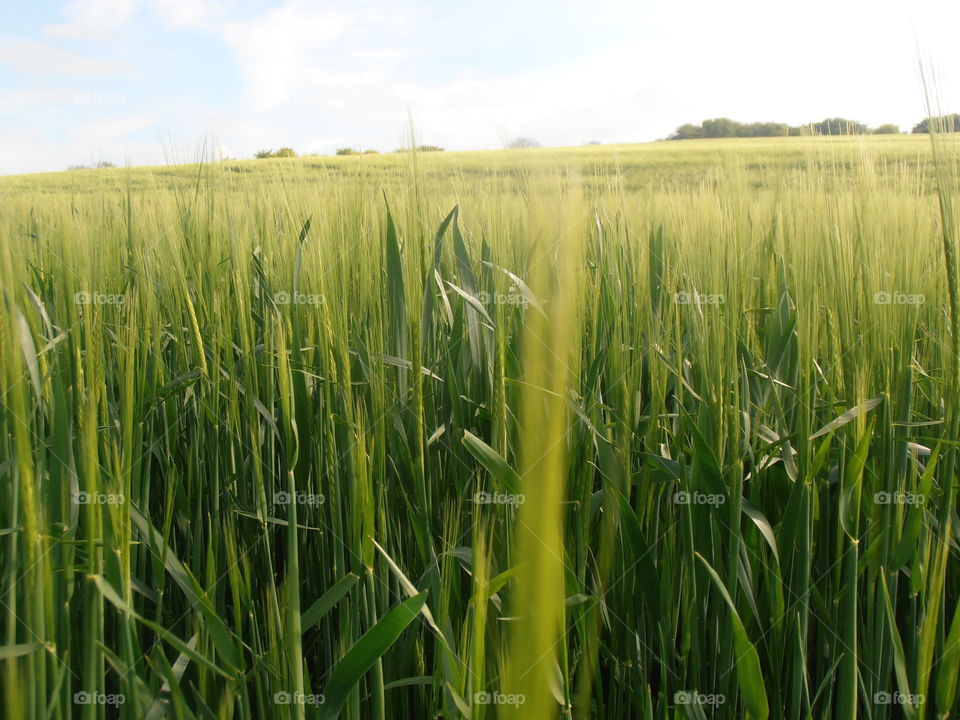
(521, 143)
(722, 128)
(944, 123)
(687, 132)
(346, 151)
(725, 128)
(767, 129)
(886, 129)
(285, 152)
(839, 126)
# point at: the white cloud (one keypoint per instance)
(32, 151)
(29, 151)
(604, 96)
(104, 131)
(16, 102)
(92, 18)
(299, 52)
(183, 14)
(44, 59)
(345, 66)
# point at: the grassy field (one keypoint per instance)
(650, 431)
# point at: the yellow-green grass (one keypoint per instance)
(661, 430)
(642, 164)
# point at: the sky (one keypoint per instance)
(148, 82)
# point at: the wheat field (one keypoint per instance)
(653, 431)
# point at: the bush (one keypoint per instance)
(346, 151)
(886, 129)
(283, 152)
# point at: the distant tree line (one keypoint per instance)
(944, 123)
(286, 152)
(421, 148)
(283, 152)
(727, 128)
(99, 166)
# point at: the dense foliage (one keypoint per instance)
(727, 128)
